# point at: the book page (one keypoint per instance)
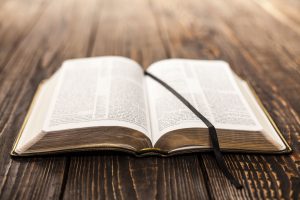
(269, 129)
(208, 85)
(36, 115)
(104, 91)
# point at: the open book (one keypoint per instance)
(107, 103)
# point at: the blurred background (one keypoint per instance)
(150, 30)
(257, 37)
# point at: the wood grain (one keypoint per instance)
(108, 176)
(13, 17)
(259, 38)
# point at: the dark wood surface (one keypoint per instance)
(259, 38)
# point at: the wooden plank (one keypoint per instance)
(16, 19)
(289, 8)
(130, 30)
(115, 176)
(37, 56)
(286, 12)
(204, 30)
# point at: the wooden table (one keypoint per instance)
(259, 38)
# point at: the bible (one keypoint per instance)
(107, 103)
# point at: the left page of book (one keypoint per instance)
(103, 91)
(32, 126)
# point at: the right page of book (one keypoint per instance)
(208, 85)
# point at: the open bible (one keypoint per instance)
(107, 103)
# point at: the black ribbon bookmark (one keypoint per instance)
(211, 129)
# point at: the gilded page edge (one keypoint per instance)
(288, 147)
(13, 153)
